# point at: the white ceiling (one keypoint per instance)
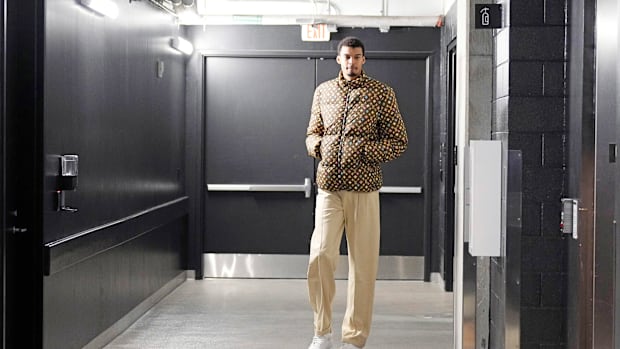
(367, 13)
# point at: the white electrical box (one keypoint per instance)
(485, 198)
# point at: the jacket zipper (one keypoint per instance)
(344, 123)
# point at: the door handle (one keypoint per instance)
(306, 188)
(15, 230)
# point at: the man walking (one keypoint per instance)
(355, 125)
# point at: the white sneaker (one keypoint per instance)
(321, 342)
(349, 346)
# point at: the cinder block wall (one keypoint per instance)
(529, 113)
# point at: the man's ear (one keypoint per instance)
(338, 59)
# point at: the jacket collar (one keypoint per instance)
(354, 83)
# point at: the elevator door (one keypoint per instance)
(257, 111)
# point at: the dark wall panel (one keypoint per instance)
(87, 298)
(105, 102)
(287, 38)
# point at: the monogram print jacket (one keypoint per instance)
(354, 127)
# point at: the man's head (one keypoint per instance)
(351, 57)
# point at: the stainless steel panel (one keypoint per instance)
(581, 164)
(606, 133)
(483, 301)
(512, 261)
(279, 266)
(468, 312)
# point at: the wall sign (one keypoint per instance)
(488, 16)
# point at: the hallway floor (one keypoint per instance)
(275, 314)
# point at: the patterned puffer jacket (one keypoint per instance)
(354, 127)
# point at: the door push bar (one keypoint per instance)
(306, 188)
(400, 190)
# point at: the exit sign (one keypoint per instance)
(314, 32)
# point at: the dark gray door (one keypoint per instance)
(257, 111)
(403, 215)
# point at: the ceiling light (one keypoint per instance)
(182, 45)
(104, 7)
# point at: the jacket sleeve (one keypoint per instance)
(392, 136)
(314, 134)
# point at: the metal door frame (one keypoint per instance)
(581, 177)
(299, 266)
(449, 167)
(23, 66)
(606, 139)
(3, 206)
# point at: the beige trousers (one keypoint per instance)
(357, 214)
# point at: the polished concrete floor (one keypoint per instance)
(275, 314)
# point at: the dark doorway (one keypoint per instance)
(257, 110)
(22, 172)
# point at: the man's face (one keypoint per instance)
(351, 60)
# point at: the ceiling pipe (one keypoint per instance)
(337, 20)
(163, 7)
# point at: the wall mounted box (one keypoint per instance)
(485, 198)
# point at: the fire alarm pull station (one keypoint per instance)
(67, 181)
(569, 217)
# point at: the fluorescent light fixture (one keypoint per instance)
(106, 8)
(182, 45)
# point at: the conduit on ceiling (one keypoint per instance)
(335, 13)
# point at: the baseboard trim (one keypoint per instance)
(121, 325)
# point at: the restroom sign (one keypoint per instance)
(488, 16)
(314, 32)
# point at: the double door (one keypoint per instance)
(260, 192)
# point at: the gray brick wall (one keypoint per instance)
(534, 118)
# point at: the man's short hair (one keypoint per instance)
(351, 41)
